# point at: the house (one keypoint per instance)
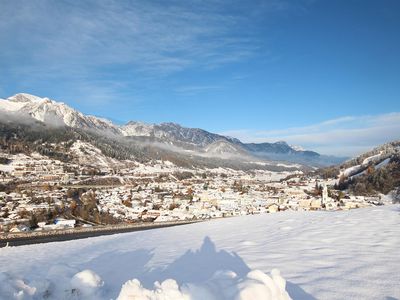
(305, 204)
(19, 228)
(330, 205)
(163, 219)
(60, 222)
(41, 224)
(273, 208)
(316, 204)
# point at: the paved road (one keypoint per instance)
(28, 240)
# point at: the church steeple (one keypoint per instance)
(324, 194)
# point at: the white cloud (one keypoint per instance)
(348, 135)
(195, 89)
(101, 43)
(154, 37)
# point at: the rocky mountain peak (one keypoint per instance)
(25, 98)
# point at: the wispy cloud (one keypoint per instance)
(196, 89)
(82, 41)
(152, 35)
(347, 135)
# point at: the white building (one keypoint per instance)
(64, 223)
(325, 197)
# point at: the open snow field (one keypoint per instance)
(322, 255)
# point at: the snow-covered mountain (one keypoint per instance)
(225, 148)
(54, 113)
(133, 128)
(297, 148)
(279, 147)
(25, 107)
(177, 135)
(172, 133)
(59, 114)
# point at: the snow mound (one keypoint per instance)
(259, 285)
(168, 289)
(222, 285)
(87, 283)
(83, 285)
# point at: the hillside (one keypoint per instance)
(373, 172)
(374, 157)
(58, 143)
(381, 178)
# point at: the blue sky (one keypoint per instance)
(322, 74)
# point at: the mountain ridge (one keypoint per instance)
(54, 113)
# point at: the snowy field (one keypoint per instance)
(322, 255)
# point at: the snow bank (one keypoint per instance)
(223, 285)
(88, 285)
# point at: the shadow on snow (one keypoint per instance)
(192, 267)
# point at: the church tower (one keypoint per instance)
(325, 194)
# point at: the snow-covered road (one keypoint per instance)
(322, 255)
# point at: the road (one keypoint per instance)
(58, 237)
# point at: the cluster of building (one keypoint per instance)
(220, 197)
(38, 168)
(157, 193)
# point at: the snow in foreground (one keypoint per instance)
(322, 255)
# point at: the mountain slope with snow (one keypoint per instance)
(24, 107)
(371, 158)
(322, 255)
(55, 113)
(173, 133)
(225, 148)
